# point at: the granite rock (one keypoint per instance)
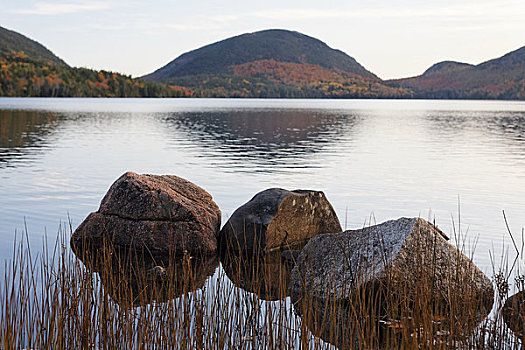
(159, 214)
(382, 274)
(276, 219)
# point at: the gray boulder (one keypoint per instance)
(277, 219)
(396, 271)
(156, 215)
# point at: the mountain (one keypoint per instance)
(27, 68)
(13, 41)
(272, 63)
(446, 66)
(500, 78)
(274, 44)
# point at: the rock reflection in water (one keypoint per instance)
(268, 277)
(365, 319)
(133, 282)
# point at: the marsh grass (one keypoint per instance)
(126, 300)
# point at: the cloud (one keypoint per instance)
(473, 10)
(56, 8)
(105, 26)
(188, 27)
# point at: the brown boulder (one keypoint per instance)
(158, 214)
(278, 219)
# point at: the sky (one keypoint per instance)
(391, 39)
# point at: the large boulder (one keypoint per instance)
(402, 272)
(278, 219)
(153, 214)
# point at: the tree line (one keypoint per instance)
(23, 76)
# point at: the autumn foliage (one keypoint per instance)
(270, 78)
(23, 76)
(323, 82)
(500, 78)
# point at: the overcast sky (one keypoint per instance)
(391, 39)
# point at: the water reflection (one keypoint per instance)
(264, 138)
(268, 277)
(23, 134)
(509, 126)
(364, 318)
(462, 132)
(134, 283)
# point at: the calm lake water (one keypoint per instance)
(375, 160)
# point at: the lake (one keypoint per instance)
(459, 163)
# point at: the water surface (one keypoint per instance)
(375, 160)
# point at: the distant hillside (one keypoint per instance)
(272, 63)
(27, 68)
(446, 67)
(500, 78)
(13, 41)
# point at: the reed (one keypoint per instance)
(129, 300)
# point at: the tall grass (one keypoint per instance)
(125, 300)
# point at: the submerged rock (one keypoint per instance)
(162, 215)
(397, 272)
(278, 219)
(514, 313)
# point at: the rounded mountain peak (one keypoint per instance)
(447, 66)
(272, 44)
